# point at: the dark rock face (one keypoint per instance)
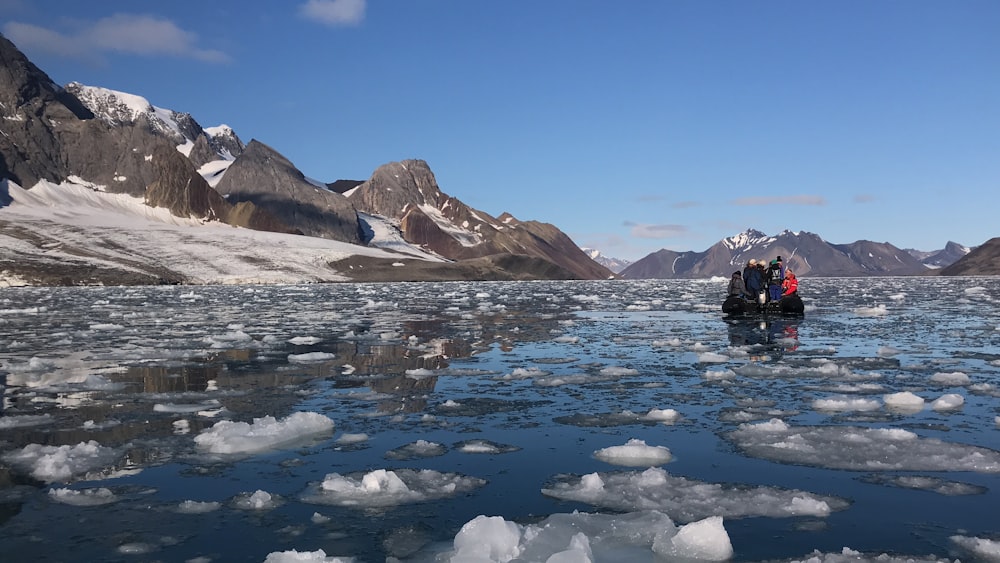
(180, 188)
(49, 134)
(262, 176)
(408, 192)
(202, 152)
(984, 260)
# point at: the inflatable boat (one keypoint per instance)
(787, 306)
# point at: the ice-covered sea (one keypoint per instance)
(530, 421)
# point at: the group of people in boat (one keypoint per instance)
(772, 279)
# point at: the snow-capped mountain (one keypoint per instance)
(805, 253)
(113, 144)
(121, 108)
(616, 265)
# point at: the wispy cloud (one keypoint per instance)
(864, 198)
(781, 200)
(132, 34)
(341, 13)
(642, 230)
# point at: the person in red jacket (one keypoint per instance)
(791, 285)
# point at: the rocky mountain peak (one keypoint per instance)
(264, 177)
(746, 240)
(397, 187)
(120, 108)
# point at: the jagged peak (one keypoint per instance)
(119, 108)
(746, 239)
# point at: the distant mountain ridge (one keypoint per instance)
(616, 265)
(805, 253)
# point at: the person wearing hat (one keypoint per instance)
(775, 277)
(753, 279)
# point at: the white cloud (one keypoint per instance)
(335, 12)
(640, 230)
(781, 200)
(133, 34)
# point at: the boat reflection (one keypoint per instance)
(766, 340)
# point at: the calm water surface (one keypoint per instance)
(547, 371)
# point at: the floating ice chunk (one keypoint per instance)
(525, 373)
(381, 488)
(293, 556)
(704, 540)
(347, 438)
(309, 357)
(719, 375)
(580, 538)
(229, 339)
(416, 450)
(712, 358)
(267, 433)
(257, 500)
(848, 555)
(981, 548)
(60, 463)
(876, 311)
(304, 340)
(635, 453)
(842, 404)
(887, 351)
(20, 421)
(952, 379)
(672, 343)
(618, 371)
(866, 449)
(666, 416)
(418, 374)
(687, 499)
(930, 484)
(85, 497)
(484, 447)
(487, 538)
(567, 339)
(181, 427)
(904, 401)
(188, 408)
(195, 507)
(948, 402)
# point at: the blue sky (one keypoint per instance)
(632, 126)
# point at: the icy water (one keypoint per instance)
(872, 423)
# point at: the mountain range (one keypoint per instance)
(805, 253)
(113, 144)
(102, 187)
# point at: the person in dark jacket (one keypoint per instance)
(736, 286)
(753, 277)
(775, 277)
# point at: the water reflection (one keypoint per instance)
(766, 340)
